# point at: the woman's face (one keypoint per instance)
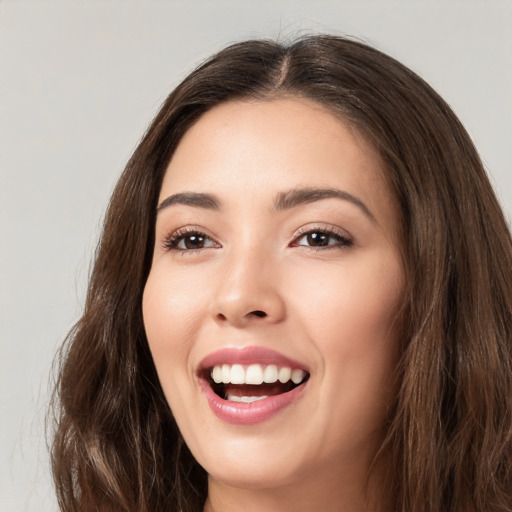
(276, 259)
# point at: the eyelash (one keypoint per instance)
(171, 242)
(342, 240)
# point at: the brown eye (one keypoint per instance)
(192, 242)
(319, 239)
(188, 241)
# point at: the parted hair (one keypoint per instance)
(115, 444)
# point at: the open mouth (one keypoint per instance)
(254, 382)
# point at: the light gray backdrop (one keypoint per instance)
(80, 80)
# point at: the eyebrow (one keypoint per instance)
(298, 196)
(197, 199)
(283, 201)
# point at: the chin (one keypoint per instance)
(254, 475)
(259, 461)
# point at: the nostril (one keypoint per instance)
(259, 313)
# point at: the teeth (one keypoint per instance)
(298, 376)
(270, 374)
(237, 374)
(255, 374)
(217, 375)
(245, 399)
(226, 373)
(285, 374)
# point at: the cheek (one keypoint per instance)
(350, 313)
(171, 306)
(354, 301)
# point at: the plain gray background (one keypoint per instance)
(79, 82)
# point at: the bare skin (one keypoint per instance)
(249, 262)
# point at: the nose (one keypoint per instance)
(248, 292)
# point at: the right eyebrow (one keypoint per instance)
(197, 199)
(299, 196)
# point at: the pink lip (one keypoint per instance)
(249, 355)
(239, 413)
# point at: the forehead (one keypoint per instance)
(248, 150)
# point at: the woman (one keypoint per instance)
(301, 300)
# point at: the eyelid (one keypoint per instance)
(328, 229)
(176, 235)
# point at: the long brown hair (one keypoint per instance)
(116, 445)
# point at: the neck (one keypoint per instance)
(330, 491)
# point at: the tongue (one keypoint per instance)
(240, 390)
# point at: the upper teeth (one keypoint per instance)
(255, 374)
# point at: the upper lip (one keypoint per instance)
(249, 355)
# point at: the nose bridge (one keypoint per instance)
(248, 289)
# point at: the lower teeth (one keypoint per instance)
(245, 399)
(248, 393)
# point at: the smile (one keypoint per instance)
(242, 391)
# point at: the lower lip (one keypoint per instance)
(239, 413)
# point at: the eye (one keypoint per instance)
(322, 238)
(188, 240)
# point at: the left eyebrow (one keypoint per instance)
(196, 199)
(298, 196)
